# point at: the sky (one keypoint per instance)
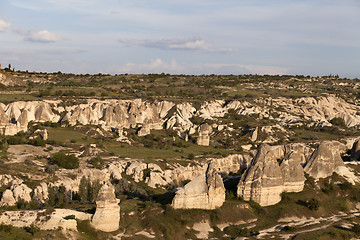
(304, 37)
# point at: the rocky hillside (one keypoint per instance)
(92, 166)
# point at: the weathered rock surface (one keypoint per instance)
(107, 215)
(42, 219)
(206, 191)
(292, 171)
(7, 198)
(41, 193)
(325, 159)
(204, 135)
(230, 164)
(262, 182)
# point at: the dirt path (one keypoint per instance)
(306, 223)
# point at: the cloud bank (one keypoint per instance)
(4, 25)
(194, 43)
(174, 67)
(43, 36)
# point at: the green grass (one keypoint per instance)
(62, 134)
(332, 233)
(125, 150)
(6, 98)
(20, 234)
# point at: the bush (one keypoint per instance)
(32, 229)
(236, 231)
(69, 217)
(37, 142)
(5, 228)
(356, 229)
(337, 121)
(65, 161)
(97, 162)
(328, 188)
(288, 228)
(313, 204)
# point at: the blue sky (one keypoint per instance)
(309, 37)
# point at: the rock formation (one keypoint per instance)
(7, 198)
(41, 193)
(325, 159)
(107, 215)
(291, 169)
(262, 182)
(204, 135)
(273, 170)
(206, 191)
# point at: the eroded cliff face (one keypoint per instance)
(206, 191)
(262, 182)
(116, 115)
(325, 160)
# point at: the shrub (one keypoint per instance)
(313, 204)
(97, 162)
(356, 229)
(236, 231)
(32, 229)
(69, 217)
(328, 187)
(337, 121)
(65, 161)
(288, 228)
(37, 142)
(5, 228)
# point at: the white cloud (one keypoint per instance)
(168, 43)
(4, 25)
(194, 43)
(155, 66)
(43, 36)
(158, 66)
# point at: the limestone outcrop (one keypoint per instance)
(206, 191)
(325, 159)
(107, 215)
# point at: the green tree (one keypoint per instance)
(83, 190)
(65, 161)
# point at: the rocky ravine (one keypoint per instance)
(117, 115)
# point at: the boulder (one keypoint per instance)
(107, 214)
(206, 191)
